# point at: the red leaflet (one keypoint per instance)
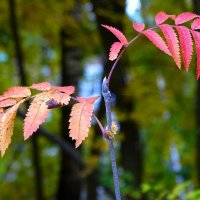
(90, 100)
(161, 17)
(62, 94)
(195, 24)
(114, 50)
(16, 92)
(186, 45)
(157, 40)
(116, 47)
(172, 42)
(138, 27)
(41, 86)
(6, 126)
(80, 119)
(121, 37)
(37, 113)
(61, 98)
(185, 17)
(196, 36)
(65, 89)
(7, 102)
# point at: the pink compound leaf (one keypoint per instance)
(185, 17)
(161, 17)
(195, 24)
(138, 27)
(172, 42)
(80, 119)
(114, 50)
(155, 38)
(196, 37)
(16, 92)
(185, 44)
(121, 37)
(37, 113)
(44, 86)
(7, 119)
(7, 102)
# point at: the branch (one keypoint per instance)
(107, 98)
(66, 147)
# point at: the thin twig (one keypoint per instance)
(100, 126)
(107, 98)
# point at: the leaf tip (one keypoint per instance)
(138, 27)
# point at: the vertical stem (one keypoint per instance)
(107, 98)
(114, 169)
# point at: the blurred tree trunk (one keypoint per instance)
(131, 152)
(22, 76)
(69, 186)
(196, 4)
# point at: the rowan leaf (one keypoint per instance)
(16, 92)
(162, 17)
(172, 42)
(114, 50)
(155, 38)
(7, 103)
(195, 24)
(185, 17)
(6, 126)
(121, 37)
(185, 44)
(62, 98)
(61, 95)
(37, 113)
(196, 37)
(44, 86)
(65, 89)
(138, 27)
(80, 119)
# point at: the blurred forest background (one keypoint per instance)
(156, 105)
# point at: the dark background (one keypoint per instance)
(156, 105)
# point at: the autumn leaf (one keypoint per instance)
(157, 40)
(195, 24)
(114, 50)
(185, 17)
(161, 17)
(44, 86)
(37, 113)
(172, 42)
(185, 44)
(80, 119)
(196, 37)
(6, 126)
(138, 27)
(7, 103)
(116, 46)
(39, 108)
(16, 92)
(121, 37)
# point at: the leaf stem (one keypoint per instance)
(100, 126)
